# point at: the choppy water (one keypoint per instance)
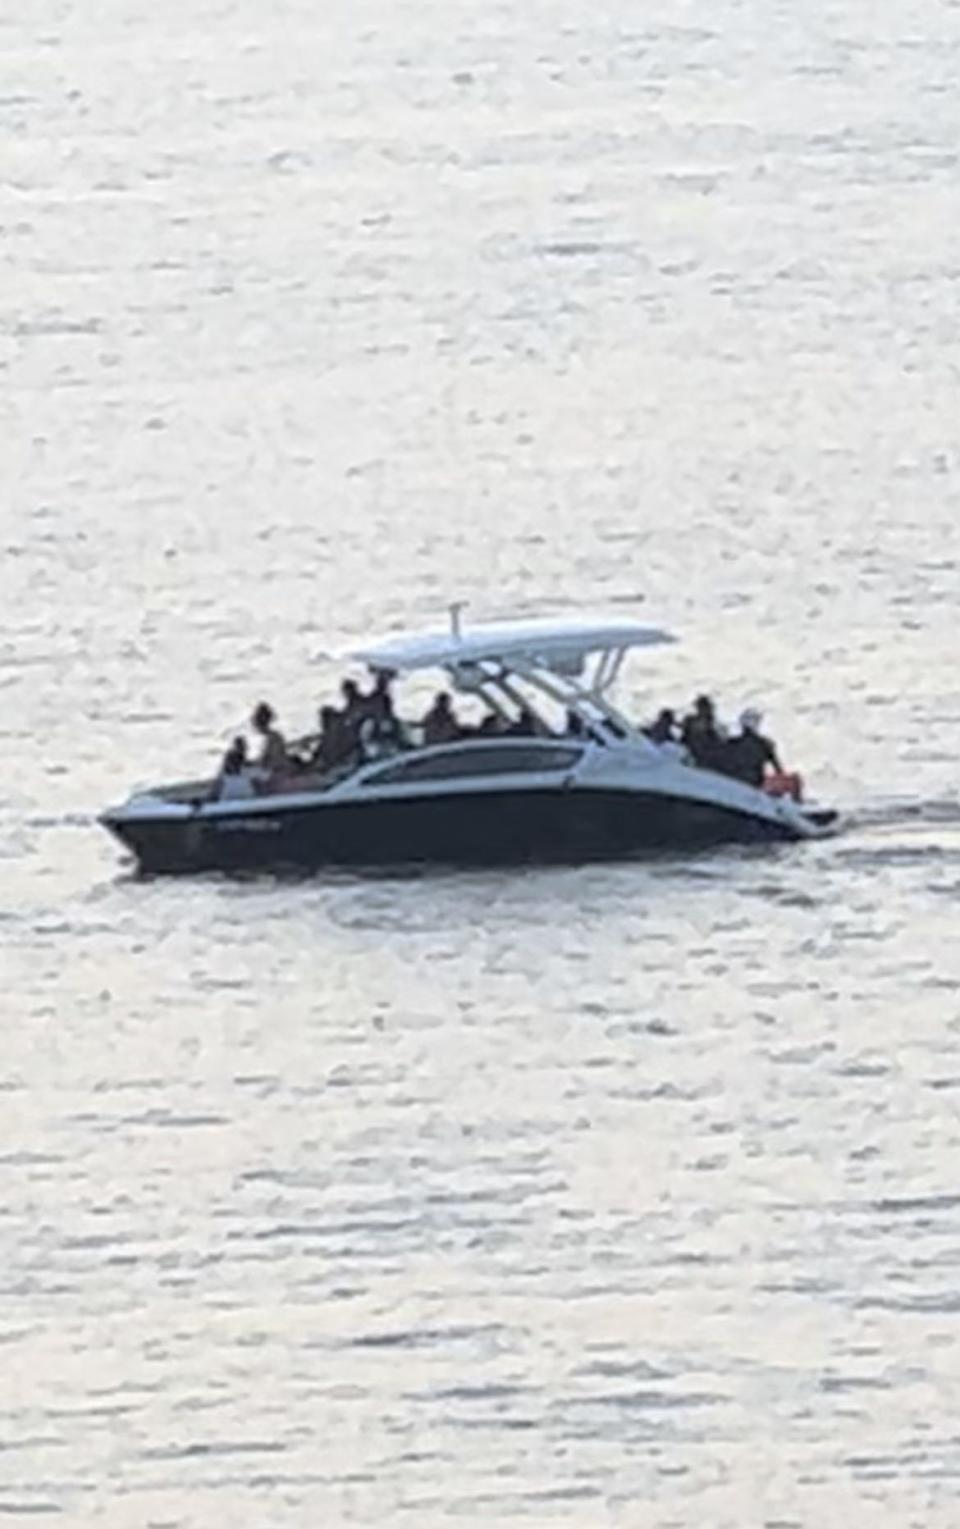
(605, 1196)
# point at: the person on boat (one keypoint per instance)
(663, 729)
(333, 744)
(354, 705)
(749, 753)
(440, 724)
(273, 760)
(353, 713)
(491, 726)
(701, 736)
(233, 783)
(525, 725)
(381, 728)
(381, 734)
(378, 702)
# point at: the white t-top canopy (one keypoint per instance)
(550, 644)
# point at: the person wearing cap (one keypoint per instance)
(749, 753)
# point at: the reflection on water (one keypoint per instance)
(613, 1194)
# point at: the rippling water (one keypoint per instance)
(616, 1195)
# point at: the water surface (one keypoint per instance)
(607, 1195)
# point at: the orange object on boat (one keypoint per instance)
(784, 783)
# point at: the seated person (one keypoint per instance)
(440, 724)
(590, 731)
(233, 782)
(273, 759)
(663, 729)
(380, 734)
(748, 754)
(701, 736)
(525, 725)
(491, 726)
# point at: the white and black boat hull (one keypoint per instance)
(558, 823)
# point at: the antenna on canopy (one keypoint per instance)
(456, 621)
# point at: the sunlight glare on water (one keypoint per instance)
(605, 1195)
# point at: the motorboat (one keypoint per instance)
(559, 774)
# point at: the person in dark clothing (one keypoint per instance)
(378, 703)
(352, 712)
(381, 725)
(525, 725)
(334, 743)
(749, 753)
(440, 724)
(663, 729)
(700, 735)
(236, 759)
(353, 701)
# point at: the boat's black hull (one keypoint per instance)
(477, 829)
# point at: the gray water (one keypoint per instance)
(574, 1197)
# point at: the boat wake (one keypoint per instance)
(901, 812)
(897, 832)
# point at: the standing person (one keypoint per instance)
(332, 746)
(354, 704)
(273, 758)
(701, 736)
(749, 753)
(379, 700)
(382, 726)
(352, 713)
